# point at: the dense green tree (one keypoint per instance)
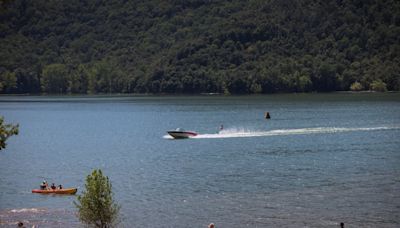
(55, 78)
(6, 131)
(303, 82)
(356, 86)
(96, 206)
(78, 80)
(104, 77)
(378, 86)
(8, 81)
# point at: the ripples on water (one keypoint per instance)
(38, 217)
(320, 160)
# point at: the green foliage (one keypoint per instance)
(55, 78)
(378, 86)
(198, 46)
(103, 76)
(303, 83)
(96, 206)
(356, 86)
(6, 130)
(8, 81)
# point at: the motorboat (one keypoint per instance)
(180, 133)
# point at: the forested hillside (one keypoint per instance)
(196, 46)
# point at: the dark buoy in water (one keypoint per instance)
(267, 116)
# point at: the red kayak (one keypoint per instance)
(69, 191)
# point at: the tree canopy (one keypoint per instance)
(96, 206)
(196, 46)
(6, 131)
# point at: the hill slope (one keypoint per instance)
(193, 46)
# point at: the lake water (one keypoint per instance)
(320, 160)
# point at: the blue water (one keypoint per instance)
(320, 160)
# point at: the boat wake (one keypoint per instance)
(242, 133)
(28, 210)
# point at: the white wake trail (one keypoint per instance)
(233, 133)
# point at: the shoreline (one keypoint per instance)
(185, 94)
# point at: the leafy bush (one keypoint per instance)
(96, 207)
(356, 86)
(379, 86)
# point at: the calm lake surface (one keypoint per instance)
(320, 160)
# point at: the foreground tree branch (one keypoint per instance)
(6, 131)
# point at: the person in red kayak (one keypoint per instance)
(44, 185)
(53, 186)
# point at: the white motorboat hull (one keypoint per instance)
(182, 134)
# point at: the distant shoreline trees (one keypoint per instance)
(192, 47)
